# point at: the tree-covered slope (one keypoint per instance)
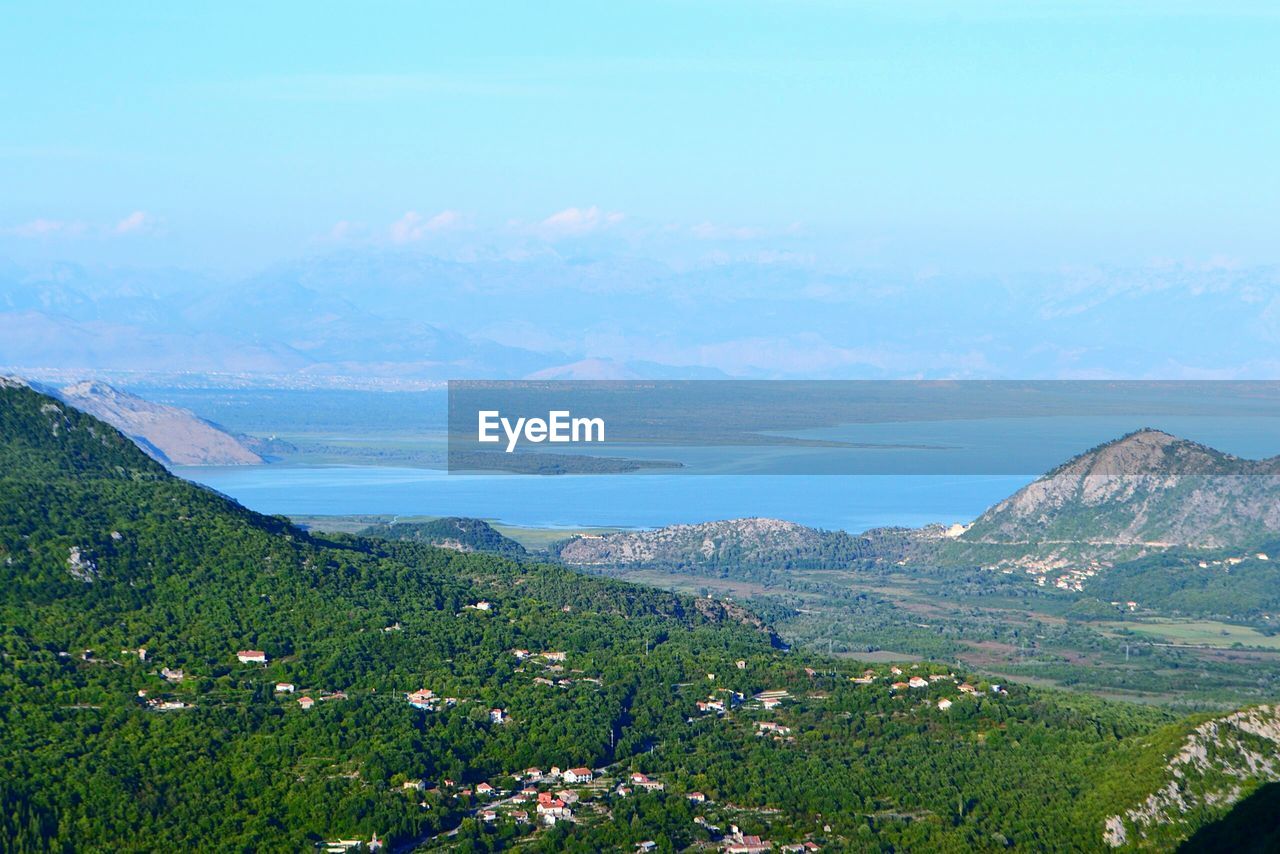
(101, 552)
(1234, 583)
(451, 532)
(105, 747)
(45, 438)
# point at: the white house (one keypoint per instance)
(423, 698)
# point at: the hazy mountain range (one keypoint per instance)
(384, 318)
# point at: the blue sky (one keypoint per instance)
(908, 135)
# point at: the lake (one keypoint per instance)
(852, 503)
(952, 470)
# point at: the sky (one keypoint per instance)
(908, 135)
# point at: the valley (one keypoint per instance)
(400, 681)
(1025, 635)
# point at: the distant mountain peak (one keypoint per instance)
(586, 369)
(87, 387)
(1152, 452)
(1147, 488)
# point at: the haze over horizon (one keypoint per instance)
(751, 189)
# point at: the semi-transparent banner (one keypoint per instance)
(862, 427)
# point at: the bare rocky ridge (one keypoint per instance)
(168, 434)
(1147, 489)
(736, 546)
(676, 543)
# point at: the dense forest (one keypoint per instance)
(463, 534)
(129, 721)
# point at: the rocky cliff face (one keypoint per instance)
(1218, 763)
(169, 434)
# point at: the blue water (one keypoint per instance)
(853, 503)
(953, 447)
(964, 469)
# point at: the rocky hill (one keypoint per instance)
(1141, 494)
(1147, 488)
(737, 546)
(169, 434)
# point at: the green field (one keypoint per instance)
(533, 539)
(1209, 633)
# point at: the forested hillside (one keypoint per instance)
(452, 532)
(134, 713)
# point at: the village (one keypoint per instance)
(533, 799)
(1074, 579)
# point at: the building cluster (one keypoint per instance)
(546, 792)
(719, 702)
(553, 669)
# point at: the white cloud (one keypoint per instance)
(133, 223)
(711, 231)
(46, 228)
(714, 231)
(42, 227)
(413, 227)
(341, 230)
(573, 222)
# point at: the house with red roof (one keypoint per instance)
(748, 845)
(423, 698)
